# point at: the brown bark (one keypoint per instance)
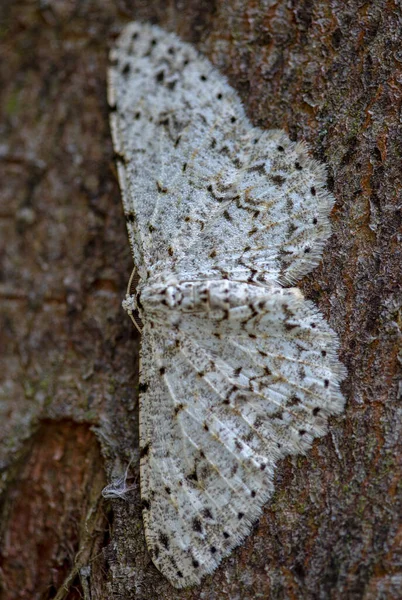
(327, 71)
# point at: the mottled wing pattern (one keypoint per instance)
(239, 390)
(205, 194)
(159, 127)
(225, 392)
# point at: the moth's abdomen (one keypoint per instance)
(199, 296)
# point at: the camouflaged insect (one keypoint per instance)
(238, 369)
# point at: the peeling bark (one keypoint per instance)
(328, 72)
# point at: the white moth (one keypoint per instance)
(238, 369)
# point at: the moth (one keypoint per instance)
(238, 369)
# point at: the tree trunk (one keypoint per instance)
(329, 72)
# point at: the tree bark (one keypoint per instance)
(327, 71)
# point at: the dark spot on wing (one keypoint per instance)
(164, 540)
(161, 189)
(126, 69)
(258, 422)
(278, 179)
(162, 370)
(260, 168)
(316, 410)
(145, 505)
(139, 303)
(207, 513)
(289, 206)
(143, 387)
(144, 451)
(193, 476)
(298, 166)
(197, 525)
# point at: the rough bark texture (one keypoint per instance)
(327, 71)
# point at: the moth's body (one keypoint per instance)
(238, 370)
(208, 296)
